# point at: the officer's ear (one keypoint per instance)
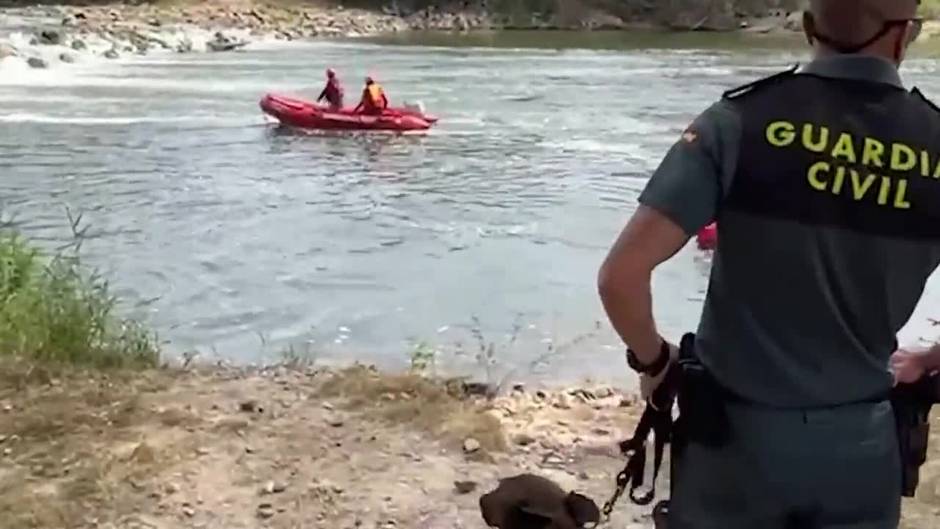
(809, 26)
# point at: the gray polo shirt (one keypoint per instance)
(817, 348)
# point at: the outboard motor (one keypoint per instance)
(417, 107)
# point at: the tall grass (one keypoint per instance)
(54, 309)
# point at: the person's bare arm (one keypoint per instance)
(681, 197)
(624, 281)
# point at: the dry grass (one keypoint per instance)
(435, 406)
(60, 425)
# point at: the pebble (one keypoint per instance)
(523, 439)
(465, 487)
(250, 406)
(144, 453)
(36, 62)
(50, 37)
(274, 487)
(334, 421)
(265, 511)
(111, 54)
(562, 402)
(67, 58)
(471, 445)
(585, 394)
(7, 50)
(188, 511)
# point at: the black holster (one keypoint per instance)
(703, 414)
(912, 404)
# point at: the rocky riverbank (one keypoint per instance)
(66, 33)
(285, 447)
(119, 30)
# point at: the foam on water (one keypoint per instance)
(53, 77)
(24, 117)
(15, 70)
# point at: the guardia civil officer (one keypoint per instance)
(825, 183)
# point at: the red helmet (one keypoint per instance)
(330, 73)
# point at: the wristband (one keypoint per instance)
(652, 369)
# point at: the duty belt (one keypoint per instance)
(912, 405)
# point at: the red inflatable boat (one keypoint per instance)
(303, 114)
(707, 237)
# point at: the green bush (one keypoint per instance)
(52, 309)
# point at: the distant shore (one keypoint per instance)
(67, 33)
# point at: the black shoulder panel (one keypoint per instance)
(931, 104)
(741, 90)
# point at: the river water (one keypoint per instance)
(236, 239)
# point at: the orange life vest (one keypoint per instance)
(375, 95)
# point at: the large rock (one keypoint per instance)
(471, 445)
(698, 15)
(221, 42)
(50, 37)
(794, 21)
(764, 8)
(36, 62)
(185, 46)
(7, 50)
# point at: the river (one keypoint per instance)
(236, 239)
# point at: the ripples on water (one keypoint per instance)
(221, 228)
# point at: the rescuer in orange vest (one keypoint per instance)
(373, 98)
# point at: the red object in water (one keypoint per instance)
(303, 114)
(707, 237)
